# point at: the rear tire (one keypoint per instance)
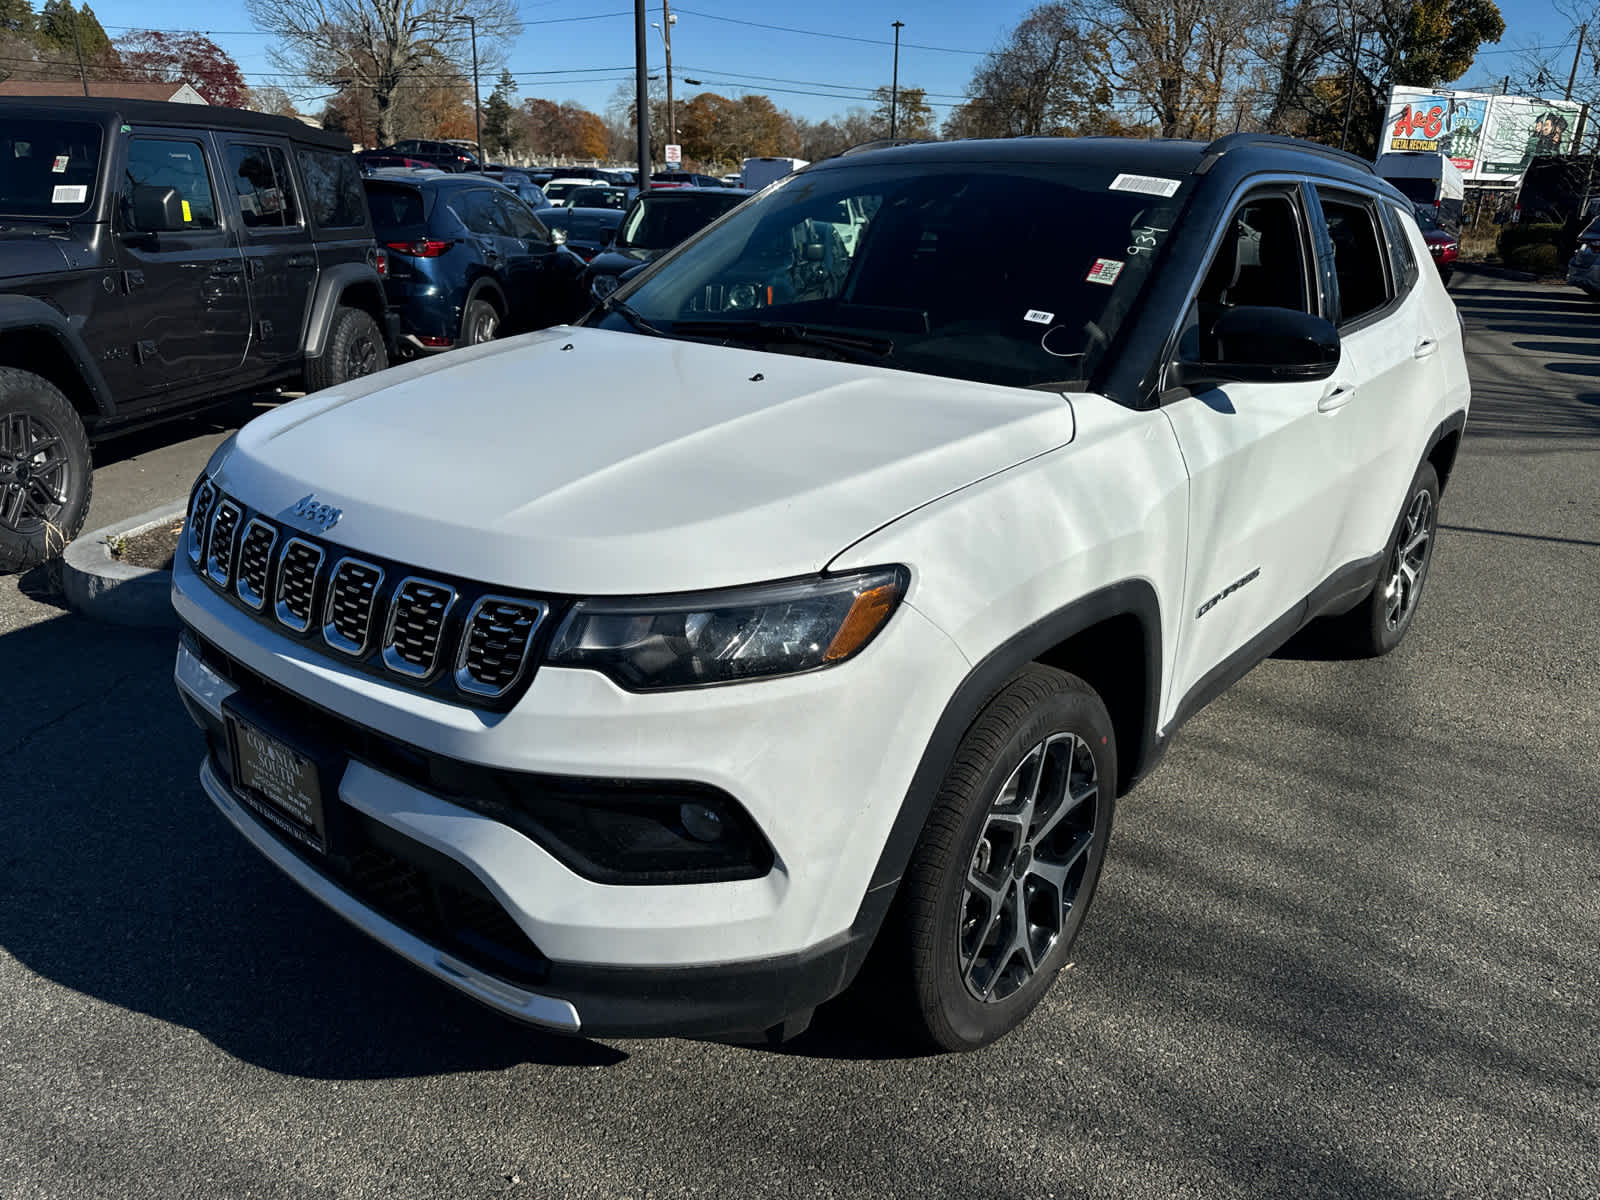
(480, 323)
(1003, 875)
(46, 473)
(1377, 625)
(354, 350)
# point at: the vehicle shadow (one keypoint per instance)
(215, 417)
(119, 880)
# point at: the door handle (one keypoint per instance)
(1425, 346)
(1336, 396)
(227, 266)
(302, 260)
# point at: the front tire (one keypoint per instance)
(354, 350)
(46, 474)
(1002, 877)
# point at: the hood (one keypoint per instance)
(28, 251)
(597, 462)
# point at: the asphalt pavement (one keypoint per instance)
(1347, 943)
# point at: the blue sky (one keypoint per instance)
(722, 43)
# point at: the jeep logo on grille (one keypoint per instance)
(323, 516)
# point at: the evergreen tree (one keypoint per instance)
(500, 129)
(16, 16)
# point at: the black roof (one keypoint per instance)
(444, 179)
(159, 112)
(1242, 152)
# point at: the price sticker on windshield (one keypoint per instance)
(1105, 270)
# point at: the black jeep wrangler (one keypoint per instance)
(154, 257)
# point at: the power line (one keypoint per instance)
(838, 37)
(265, 33)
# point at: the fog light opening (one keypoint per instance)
(700, 822)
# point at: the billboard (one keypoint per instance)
(1490, 138)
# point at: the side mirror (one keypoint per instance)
(156, 209)
(814, 252)
(1253, 344)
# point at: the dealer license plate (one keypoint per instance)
(288, 782)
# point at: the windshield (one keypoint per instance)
(661, 222)
(1425, 218)
(598, 197)
(557, 192)
(47, 168)
(1009, 273)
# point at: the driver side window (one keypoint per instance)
(1260, 261)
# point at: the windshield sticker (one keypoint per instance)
(187, 215)
(1150, 185)
(1105, 270)
(60, 167)
(1037, 317)
(68, 193)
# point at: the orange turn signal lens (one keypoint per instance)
(870, 610)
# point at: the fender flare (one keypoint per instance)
(28, 314)
(331, 287)
(1131, 597)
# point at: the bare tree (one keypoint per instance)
(379, 47)
(1048, 76)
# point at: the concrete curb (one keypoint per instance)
(102, 589)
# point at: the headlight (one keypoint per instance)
(603, 286)
(742, 296)
(661, 642)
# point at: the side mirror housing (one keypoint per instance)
(156, 209)
(1251, 344)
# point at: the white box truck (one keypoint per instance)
(756, 173)
(1430, 180)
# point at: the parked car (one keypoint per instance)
(154, 257)
(588, 231)
(683, 179)
(372, 160)
(654, 223)
(1583, 268)
(557, 190)
(520, 182)
(468, 261)
(843, 621)
(733, 180)
(1443, 245)
(607, 196)
(447, 156)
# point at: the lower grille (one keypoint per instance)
(494, 646)
(352, 594)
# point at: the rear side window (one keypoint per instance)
(1358, 254)
(333, 188)
(395, 209)
(477, 212)
(1405, 261)
(262, 184)
(157, 165)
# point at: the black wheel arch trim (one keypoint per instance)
(28, 314)
(332, 284)
(484, 285)
(1455, 423)
(1132, 597)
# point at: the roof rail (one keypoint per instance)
(1238, 141)
(884, 144)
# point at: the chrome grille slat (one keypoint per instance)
(295, 596)
(200, 519)
(412, 635)
(494, 644)
(255, 560)
(224, 530)
(352, 597)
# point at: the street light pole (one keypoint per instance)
(477, 108)
(894, 85)
(641, 86)
(667, 20)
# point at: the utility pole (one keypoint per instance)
(641, 85)
(477, 113)
(667, 20)
(83, 75)
(1350, 86)
(894, 84)
(1505, 85)
(1583, 31)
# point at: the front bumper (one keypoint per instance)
(820, 762)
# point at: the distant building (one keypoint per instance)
(180, 93)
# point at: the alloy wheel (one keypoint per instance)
(1028, 866)
(484, 328)
(33, 471)
(362, 358)
(1409, 561)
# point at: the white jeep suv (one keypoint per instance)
(840, 617)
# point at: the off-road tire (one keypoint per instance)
(1377, 625)
(354, 349)
(34, 408)
(1037, 709)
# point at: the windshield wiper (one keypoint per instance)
(621, 308)
(859, 347)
